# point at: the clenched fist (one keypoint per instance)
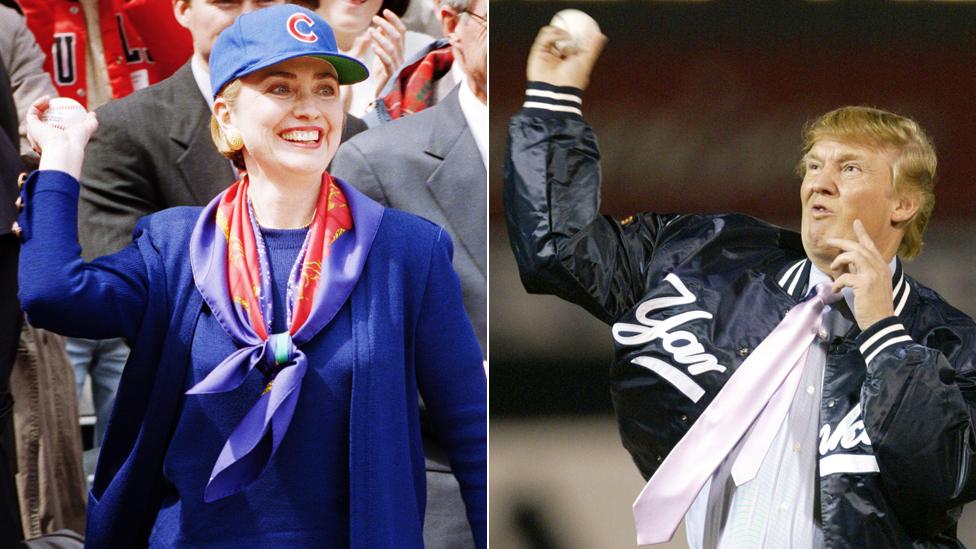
(550, 65)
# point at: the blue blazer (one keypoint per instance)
(410, 333)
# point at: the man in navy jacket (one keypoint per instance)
(882, 454)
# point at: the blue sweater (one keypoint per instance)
(317, 458)
(402, 329)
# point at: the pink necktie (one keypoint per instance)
(670, 492)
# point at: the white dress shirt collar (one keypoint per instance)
(202, 76)
(476, 115)
(817, 276)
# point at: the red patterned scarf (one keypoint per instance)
(416, 83)
(244, 274)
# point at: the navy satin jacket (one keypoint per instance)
(690, 296)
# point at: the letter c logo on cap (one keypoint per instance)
(304, 36)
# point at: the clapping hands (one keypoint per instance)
(387, 39)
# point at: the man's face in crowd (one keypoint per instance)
(470, 40)
(206, 18)
(844, 181)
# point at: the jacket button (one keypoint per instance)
(659, 458)
(684, 417)
(830, 403)
(743, 352)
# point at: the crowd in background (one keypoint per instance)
(142, 66)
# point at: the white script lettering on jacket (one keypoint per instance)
(849, 434)
(682, 345)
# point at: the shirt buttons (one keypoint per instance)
(796, 447)
(823, 335)
(810, 389)
(783, 507)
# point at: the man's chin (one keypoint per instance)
(821, 254)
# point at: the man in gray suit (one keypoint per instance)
(434, 163)
(153, 150)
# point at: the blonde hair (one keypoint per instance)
(913, 170)
(229, 93)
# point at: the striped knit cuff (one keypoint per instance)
(543, 99)
(883, 334)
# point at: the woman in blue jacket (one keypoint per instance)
(280, 335)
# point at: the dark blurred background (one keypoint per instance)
(698, 107)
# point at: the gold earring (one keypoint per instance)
(234, 140)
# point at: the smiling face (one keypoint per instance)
(290, 118)
(844, 181)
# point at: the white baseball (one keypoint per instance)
(62, 113)
(578, 24)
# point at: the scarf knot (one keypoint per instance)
(279, 351)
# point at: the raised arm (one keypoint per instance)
(104, 298)
(552, 192)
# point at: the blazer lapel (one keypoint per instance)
(452, 144)
(205, 172)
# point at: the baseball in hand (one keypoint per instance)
(62, 113)
(578, 24)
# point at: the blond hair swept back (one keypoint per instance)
(229, 93)
(914, 168)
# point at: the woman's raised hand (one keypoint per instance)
(387, 37)
(60, 149)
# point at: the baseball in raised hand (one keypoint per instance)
(59, 137)
(578, 24)
(564, 57)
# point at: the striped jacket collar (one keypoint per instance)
(793, 280)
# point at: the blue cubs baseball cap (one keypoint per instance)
(261, 38)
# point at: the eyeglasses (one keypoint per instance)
(483, 19)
